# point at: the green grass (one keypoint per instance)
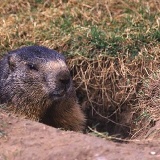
(85, 28)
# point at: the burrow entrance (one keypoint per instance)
(108, 90)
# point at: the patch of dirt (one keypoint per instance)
(27, 140)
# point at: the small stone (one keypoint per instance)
(152, 152)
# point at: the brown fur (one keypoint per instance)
(63, 117)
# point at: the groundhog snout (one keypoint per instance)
(63, 85)
(63, 80)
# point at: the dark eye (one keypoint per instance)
(32, 66)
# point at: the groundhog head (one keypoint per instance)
(32, 75)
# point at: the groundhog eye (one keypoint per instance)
(32, 67)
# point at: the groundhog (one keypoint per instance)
(35, 82)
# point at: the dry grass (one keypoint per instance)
(148, 107)
(107, 89)
(112, 47)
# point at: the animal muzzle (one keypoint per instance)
(64, 80)
(63, 84)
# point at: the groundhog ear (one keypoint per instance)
(12, 59)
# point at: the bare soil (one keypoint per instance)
(27, 140)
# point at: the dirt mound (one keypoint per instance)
(24, 139)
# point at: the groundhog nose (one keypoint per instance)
(64, 79)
